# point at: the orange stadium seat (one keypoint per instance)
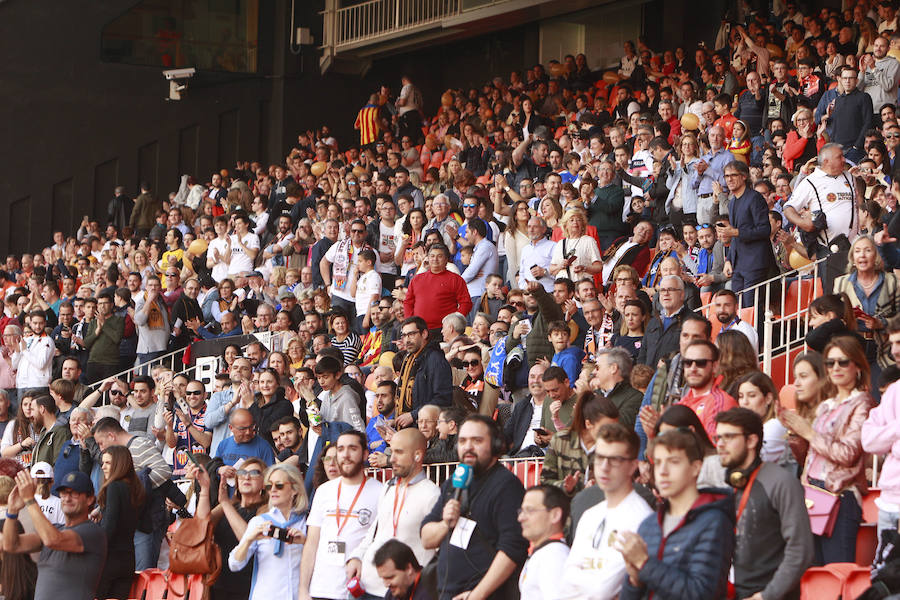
(825, 583)
(800, 293)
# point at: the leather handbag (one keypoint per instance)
(192, 550)
(822, 506)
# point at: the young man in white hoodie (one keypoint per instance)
(594, 569)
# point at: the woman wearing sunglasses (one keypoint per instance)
(835, 461)
(275, 538)
(230, 520)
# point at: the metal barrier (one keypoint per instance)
(528, 470)
(779, 309)
(275, 341)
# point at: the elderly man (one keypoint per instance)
(445, 223)
(710, 168)
(831, 183)
(452, 326)
(612, 380)
(535, 260)
(663, 331)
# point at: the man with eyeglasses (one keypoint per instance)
(425, 376)
(185, 431)
(339, 261)
(662, 332)
(774, 543)
(543, 516)
(594, 569)
(243, 443)
(700, 361)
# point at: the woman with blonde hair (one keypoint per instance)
(836, 462)
(577, 255)
(874, 296)
(802, 142)
(551, 211)
(275, 538)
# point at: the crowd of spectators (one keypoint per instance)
(516, 273)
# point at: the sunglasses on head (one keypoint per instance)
(704, 226)
(700, 362)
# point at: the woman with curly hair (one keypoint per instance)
(736, 359)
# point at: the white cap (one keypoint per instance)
(42, 470)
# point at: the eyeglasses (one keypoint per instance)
(405, 334)
(278, 486)
(614, 461)
(841, 362)
(471, 363)
(193, 392)
(727, 437)
(247, 428)
(700, 362)
(668, 290)
(249, 473)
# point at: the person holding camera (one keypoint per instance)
(822, 206)
(275, 538)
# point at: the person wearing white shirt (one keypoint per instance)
(404, 503)
(725, 308)
(33, 357)
(342, 512)
(543, 516)
(275, 538)
(534, 264)
(218, 251)
(594, 569)
(244, 246)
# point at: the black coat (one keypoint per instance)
(518, 425)
(659, 342)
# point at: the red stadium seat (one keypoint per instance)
(866, 545)
(705, 298)
(800, 293)
(869, 509)
(858, 581)
(782, 372)
(138, 585)
(825, 583)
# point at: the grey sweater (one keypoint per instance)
(774, 541)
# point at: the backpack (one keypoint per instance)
(193, 550)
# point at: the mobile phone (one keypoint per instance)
(277, 533)
(192, 458)
(541, 431)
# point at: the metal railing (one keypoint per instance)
(779, 310)
(275, 341)
(383, 19)
(528, 470)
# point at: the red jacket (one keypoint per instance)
(434, 296)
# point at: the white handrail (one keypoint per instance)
(440, 472)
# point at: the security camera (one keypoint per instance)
(179, 73)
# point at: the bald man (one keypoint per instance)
(406, 499)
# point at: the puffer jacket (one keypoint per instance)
(692, 562)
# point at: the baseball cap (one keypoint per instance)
(255, 274)
(286, 294)
(77, 482)
(42, 470)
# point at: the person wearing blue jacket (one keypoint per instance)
(566, 356)
(684, 551)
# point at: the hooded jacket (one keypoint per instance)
(692, 562)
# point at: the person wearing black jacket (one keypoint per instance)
(424, 375)
(185, 309)
(850, 115)
(487, 565)
(118, 211)
(522, 440)
(664, 330)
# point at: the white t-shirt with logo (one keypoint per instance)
(240, 260)
(220, 268)
(387, 242)
(836, 195)
(52, 509)
(329, 579)
(369, 283)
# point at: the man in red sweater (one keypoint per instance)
(437, 292)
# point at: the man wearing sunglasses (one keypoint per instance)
(185, 431)
(700, 361)
(337, 263)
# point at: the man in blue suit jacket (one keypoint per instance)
(750, 253)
